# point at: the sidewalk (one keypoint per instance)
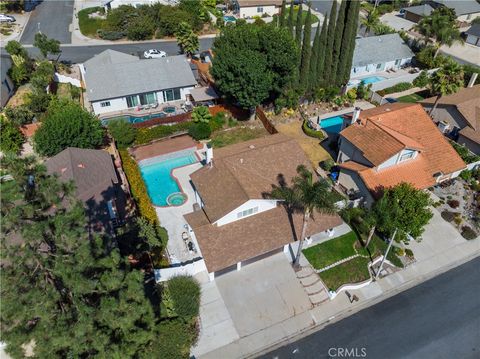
(441, 249)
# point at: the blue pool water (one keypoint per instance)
(134, 119)
(372, 79)
(332, 124)
(229, 19)
(159, 181)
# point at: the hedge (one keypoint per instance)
(311, 132)
(464, 152)
(402, 86)
(137, 186)
(185, 294)
(146, 135)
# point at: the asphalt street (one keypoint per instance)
(52, 18)
(436, 319)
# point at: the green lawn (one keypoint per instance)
(331, 251)
(89, 26)
(353, 271)
(414, 97)
(239, 134)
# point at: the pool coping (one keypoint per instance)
(199, 159)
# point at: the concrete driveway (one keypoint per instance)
(463, 53)
(262, 294)
(51, 17)
(395, 20)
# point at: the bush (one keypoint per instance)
(453, 203)
(200, 131)
(218, 121)
(327, 165)
(175, 339)
(11, 139)
(110, 35)
(201, 114)
(137, 187)
(468, 233)
(463, 152)
(122, 132)
(409, 253)
(185, 294)
(146, 135)
(140, 28)
(458, 219)
(311, 132)
(399, 251)
(422, 80)
(19, 115)
(448, 216)
(402, 86)
(38, 101)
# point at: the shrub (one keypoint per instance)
(201, 114)
(311, 132)
(140, 28)
(402, 86)
(19, 115)
(11, 139)
(453, 203)
(138, 189)
(327, 165)
(464, 152)
(409, 253)
(458, 220)
(218, 121)
(448, 216)
(352, 94)
(185, 294)
(146, 135)
(110, 35)
(468, 233)
(422, 80)
(175, 339)
(399, 251)
(122, 132)
(466, 175)
(200, 131)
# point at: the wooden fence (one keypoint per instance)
(266, 122)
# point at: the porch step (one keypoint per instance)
(310, 280)
(304, 272)
(314, 289)
(319, 298)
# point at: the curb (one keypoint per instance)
(345, 313)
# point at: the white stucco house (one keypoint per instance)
(237, 223)
(245, 9)
(116, 81)
(379, 53)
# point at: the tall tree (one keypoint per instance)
(370, 21)
(349, 34)
(290, 21)
(306, 52)
(354, 13)
(187, 39)
(329, 45)
(298, 26)
(282, 15)
(446, 81)
(322, 44)
(306, 195)
(314, 60)
(46, 45)
(337, 43)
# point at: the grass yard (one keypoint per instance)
(89, 26)
(238, 134)
(414, 97)
(353, 271)
(331, 251)
(68, 91)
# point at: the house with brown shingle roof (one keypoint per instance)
(459, 115)
(390, 144)
(237, 223)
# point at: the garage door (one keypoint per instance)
(262, 256)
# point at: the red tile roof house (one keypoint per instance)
(237, 223)
(390, 144)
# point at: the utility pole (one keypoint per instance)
(375, 5)
(386, 254)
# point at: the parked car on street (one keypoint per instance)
(6, 18)
(154, 54)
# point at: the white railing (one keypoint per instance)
(66, 79)
(190, 269)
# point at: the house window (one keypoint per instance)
(105, 104)
(247, 212)
(260, 10)
(171, 95)
(132, 101)
(407, 156)
(397, 62)
(379, 66)
(147, 98)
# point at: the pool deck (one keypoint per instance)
(364, 105)
(163, 147)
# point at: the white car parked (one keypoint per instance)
(6, 18)
(154, 54)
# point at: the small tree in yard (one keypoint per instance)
(122, 132)
(11, 139)
(46, 45)
(306, 195)
(201, 114)
(43, 75)
(67, 124)
(446, 81)
(403, 208)
(187, 40)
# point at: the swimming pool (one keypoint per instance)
(372, 79)
(229, 19)
(157, 175)
(332, 124)
(134, 119)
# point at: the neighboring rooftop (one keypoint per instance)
(474, 30)
(248, 3)
(466, 101)
(461, 7)
(113, 74)
(422, 10)
(402, 126)
(376, 49)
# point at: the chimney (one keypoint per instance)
(472, 79)
(209, 155)
(355, 115)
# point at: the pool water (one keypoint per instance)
(229, 18)
(134, 119)
(159, 181)
(372, 79)
(332, 124)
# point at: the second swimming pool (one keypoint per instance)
(332, 124)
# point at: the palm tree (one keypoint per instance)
(305, 195)
(446, 81)
(187, 40)
(371, 21)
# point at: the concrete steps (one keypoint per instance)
(312, 285)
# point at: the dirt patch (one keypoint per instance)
(19, 98)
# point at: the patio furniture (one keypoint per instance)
(185, 236)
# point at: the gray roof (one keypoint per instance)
(92, 172)
(377, 49)
(113, 74)
(461, 7)
(422, 10)
(474, 30)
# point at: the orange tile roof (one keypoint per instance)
(411, 126)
